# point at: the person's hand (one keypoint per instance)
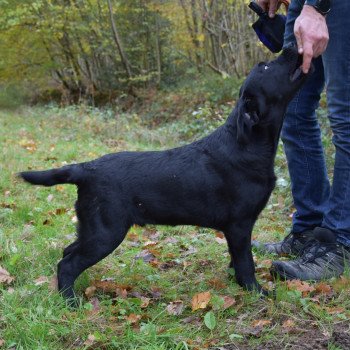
(269, 5)
(311, 33)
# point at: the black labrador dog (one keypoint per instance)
(222, 181)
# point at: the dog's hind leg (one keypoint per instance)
(86, 252)
(239, 242)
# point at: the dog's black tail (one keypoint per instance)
(70, 174)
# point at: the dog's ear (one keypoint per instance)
(245, 122)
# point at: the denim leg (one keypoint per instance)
(336, 62)
(301, 137)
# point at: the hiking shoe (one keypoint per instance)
(292, 244)
(321, 258)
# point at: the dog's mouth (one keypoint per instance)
(291, 55)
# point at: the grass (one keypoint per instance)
(127, 309)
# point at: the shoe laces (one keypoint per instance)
(290, 237)
(315, 249)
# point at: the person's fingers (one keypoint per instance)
(299, 40)
(273, 7)
(308, 54)
(263, 4)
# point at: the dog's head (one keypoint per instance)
(268, 89)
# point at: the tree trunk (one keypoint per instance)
(118, 42)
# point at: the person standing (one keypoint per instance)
(320, 234)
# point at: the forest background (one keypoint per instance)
(82, 78)
(98, 51)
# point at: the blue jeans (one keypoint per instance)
(317, 202)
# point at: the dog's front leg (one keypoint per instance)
(239, 242)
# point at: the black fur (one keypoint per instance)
(222, 181)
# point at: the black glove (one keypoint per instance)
(269, 30)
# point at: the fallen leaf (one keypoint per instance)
(156, 292)
(187, 263)
(170, 240)
(133, 237)
(205, 262)
(200, 300)
(303, 287)
(95, 306)
(192, 319)
(145, 302)
(217, 283)
(264, 264)
(29, 145)
(288, 324)
(90, 291)
(175, 307)
(189, 251)
(155, 251)
(219, 234)
(323, 288)
(5, 276)
(150, 244)
(257, 327)
(8, 205)
(110, 287)
(133, 318)
(228, 302)
(91, 339)
(145, 255)
(335, 310)
(155, 263)
(121, 292)
(261, 323)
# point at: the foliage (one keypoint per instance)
(93, 49)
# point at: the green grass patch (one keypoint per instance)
(136, 302)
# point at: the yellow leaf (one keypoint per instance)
(261, 323)
(200, 301)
